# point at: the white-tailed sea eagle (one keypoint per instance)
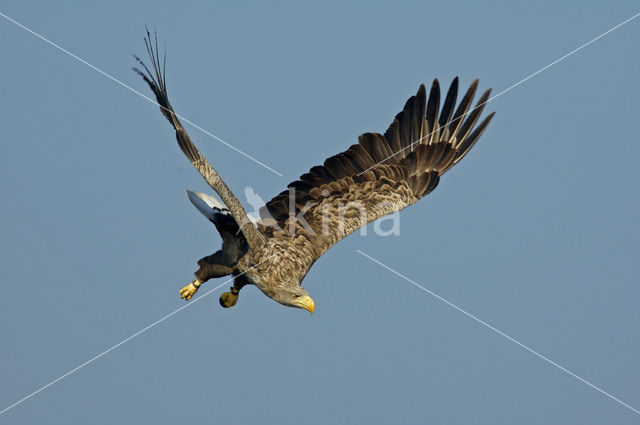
(379, 175)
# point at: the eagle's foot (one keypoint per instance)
(190, 290)
(229, 299)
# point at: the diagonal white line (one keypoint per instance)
(137, 92)
(546, 359)
(146, 328)
(544, 68)
(113, 347)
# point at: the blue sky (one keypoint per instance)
(534, 232)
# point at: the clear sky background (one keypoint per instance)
(536, 231)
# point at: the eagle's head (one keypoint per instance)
(294, 296)
(282, 287)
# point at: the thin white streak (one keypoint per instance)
(137, 92)
(499, 332)
(129, 338)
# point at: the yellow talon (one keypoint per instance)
(229, 299)
(190, 290)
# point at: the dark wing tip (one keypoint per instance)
(155, 76)
(433, 105)
(489, 117)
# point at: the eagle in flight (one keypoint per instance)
(379, 175)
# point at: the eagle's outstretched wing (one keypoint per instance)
(156, 81)
(382, 173)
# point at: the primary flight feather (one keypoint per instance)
(379, 175)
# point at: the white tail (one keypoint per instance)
(206, 204)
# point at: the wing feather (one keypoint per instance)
(449, 103)
(463, 107)
(156, 82)
(382, 173)
(432, 111)
(379, 175)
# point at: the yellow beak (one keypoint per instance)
(307, 303)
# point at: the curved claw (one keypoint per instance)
(190, 290)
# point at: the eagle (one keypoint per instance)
(379, 175)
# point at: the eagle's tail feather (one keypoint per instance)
(208, 205)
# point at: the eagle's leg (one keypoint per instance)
(210, 267)
(229, 299)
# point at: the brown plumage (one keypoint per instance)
(379, 175)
